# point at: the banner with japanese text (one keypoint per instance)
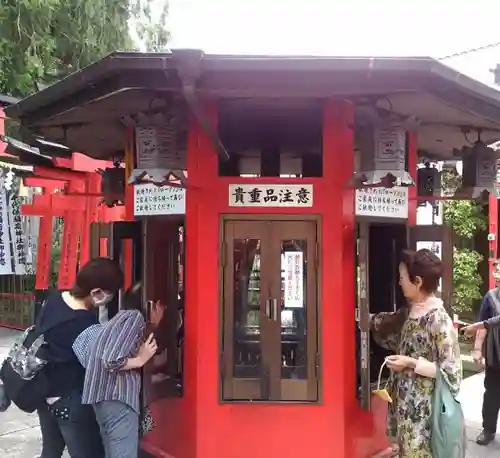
(16, 234)
(5, 252)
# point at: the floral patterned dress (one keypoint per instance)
(429, 334)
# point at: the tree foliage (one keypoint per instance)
(42, 41)
(466, 279)
(466, 218)
(150, 24)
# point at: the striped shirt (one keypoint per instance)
(103, 349)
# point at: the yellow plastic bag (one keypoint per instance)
(382, 392)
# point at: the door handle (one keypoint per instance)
(275, 309)
(268, 309)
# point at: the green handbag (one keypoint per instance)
(448, 435)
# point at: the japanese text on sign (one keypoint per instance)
(17, 235)
(150, 200)
(5, 252)
(382, 202)
(155, 147)
(294, 288)
(270, 195)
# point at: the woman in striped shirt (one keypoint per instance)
(112, 354)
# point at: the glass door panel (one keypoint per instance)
(246, 299)
(296, 243)
(244, 361)
(270, 345)
(293, 309)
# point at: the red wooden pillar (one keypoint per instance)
(129, 201)
(44, 251)
(412, 169)
(92, 186)
(493, 231)
(2, 131)
(73, 225)
(338, 289)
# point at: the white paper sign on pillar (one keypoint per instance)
(150, 200)
(294, 278)
(16, 235)
(382, 202)
(5, 252)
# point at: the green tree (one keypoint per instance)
(466, 217)
(42, 41)
(149, 21)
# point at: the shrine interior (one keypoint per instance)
(381, 254)
(163, 280)
(271, 137)
(156, 246)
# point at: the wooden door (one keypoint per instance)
(269, 338)
(363, 315)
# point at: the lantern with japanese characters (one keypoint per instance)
(428, 182)
(479, 171)
(159, 142)
(113, 185)
(382, 156)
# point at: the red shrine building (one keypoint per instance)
(266, 202)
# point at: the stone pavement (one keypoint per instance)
(20, 435)
(471, 397)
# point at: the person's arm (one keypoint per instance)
(484, 315)
(122, 342)
(493, 322)
(479, 341)
(146, 351)
(133, 363)
(445, 339)
(386, 327)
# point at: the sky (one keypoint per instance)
(434, 28)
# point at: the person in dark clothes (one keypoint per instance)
(64, 421)
(487, 346)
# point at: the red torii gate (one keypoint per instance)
(71, 190)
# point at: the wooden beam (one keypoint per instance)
(57, 174)
(48, 183)
(30, 210)
(43, 252)
(56, 202)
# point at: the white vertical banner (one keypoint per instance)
(294, 279)
(5, 252)
(31, 225)
(16, 234)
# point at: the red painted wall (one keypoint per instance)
(492, 244)
(198, 425)
(2, 130)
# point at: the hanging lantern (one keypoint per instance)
(479, 171)
(158, 137)
(428, 183)
(383, 157)
(113, 185)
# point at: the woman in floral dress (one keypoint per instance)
(424, 340)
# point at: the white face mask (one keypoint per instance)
(100, 298)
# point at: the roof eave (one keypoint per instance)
(425, 68)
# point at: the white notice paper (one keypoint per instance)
(150, 200)
(294, 278)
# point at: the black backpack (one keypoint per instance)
(25, 382)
